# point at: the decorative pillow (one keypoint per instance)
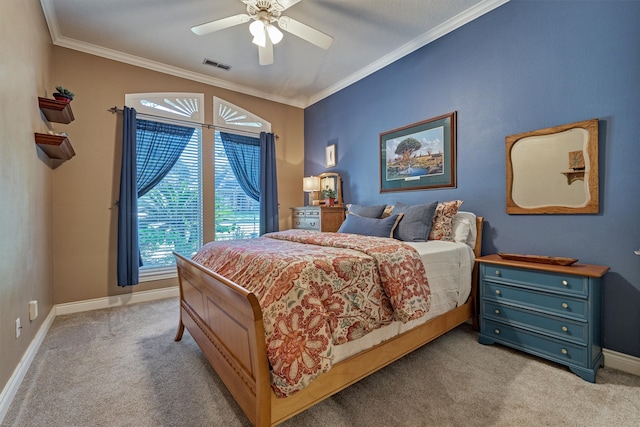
(367, 211)
(463, 228)
(416, 221)
(355, 224)
(441, 226)
(387, 211)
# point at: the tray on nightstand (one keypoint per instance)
(539, 259)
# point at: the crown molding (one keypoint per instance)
(415, 44)
(426, 38)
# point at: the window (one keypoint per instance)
(237, 215)
(170, 214)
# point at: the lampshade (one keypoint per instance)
(311, 183)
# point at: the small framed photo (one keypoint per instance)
(330, 155)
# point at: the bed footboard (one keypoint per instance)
(226, 322)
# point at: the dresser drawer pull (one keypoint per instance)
(497, 331)
(564, 351)
(497, 311)
(565, 305)
(498, 292)
(565, 329)
(313, 224)
(565, 283)
(497, 272)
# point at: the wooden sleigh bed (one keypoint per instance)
(227, 323)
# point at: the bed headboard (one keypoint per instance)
(477, 248)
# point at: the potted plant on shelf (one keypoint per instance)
(62, 94)
(329, 195)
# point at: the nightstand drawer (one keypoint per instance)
(306, 223)
(561, 328)
(564, 283)
(308, 213)
(564, 352)
(549, 303)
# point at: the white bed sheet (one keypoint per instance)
(449, 266)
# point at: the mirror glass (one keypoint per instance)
(554, 170)
(334, 182)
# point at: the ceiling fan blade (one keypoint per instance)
(220, 24)
(279, 5)
(305, 32)
(286, 4)
(265, 54)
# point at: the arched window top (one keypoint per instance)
(229, 116)
(171, 105)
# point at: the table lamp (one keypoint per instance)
(311, 184)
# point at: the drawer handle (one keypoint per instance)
(565, 283)
(565, 329)
(497, 272)
(498, 292)
(564, 351)
(565, 305)
(497, 331)
(497, 311)
(313, 224)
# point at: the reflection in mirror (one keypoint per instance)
(553, 170)
(334, 182)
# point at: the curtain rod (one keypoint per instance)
(116, 110)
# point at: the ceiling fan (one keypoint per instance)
(265, 13)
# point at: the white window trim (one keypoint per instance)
(229, 117)
(183, 106)
(157, 273)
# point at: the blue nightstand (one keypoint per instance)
(551, 311)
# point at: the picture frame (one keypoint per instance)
(428, 159)
(553, 170)
(330, 155)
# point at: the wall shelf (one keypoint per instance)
(55, 147)
(56, 111)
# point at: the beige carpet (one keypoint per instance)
(121, 367)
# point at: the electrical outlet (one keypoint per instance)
(33, 309)
(18, 327)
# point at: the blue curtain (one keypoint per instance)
(128, 256)
(243, 153)
(268, 184)
(150, 150)
(159, 146)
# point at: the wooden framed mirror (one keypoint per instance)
(553, 170)
(333, 181)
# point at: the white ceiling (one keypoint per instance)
(155, 34)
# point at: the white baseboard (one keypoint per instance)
(11, 388)
(622, 362)
(116, 300)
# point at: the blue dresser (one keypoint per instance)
(547, 310)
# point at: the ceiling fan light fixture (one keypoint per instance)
(257, 28)
(274, 34)
(260, 41)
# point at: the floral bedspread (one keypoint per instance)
(317, 290)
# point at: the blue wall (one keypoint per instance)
(524, 66)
